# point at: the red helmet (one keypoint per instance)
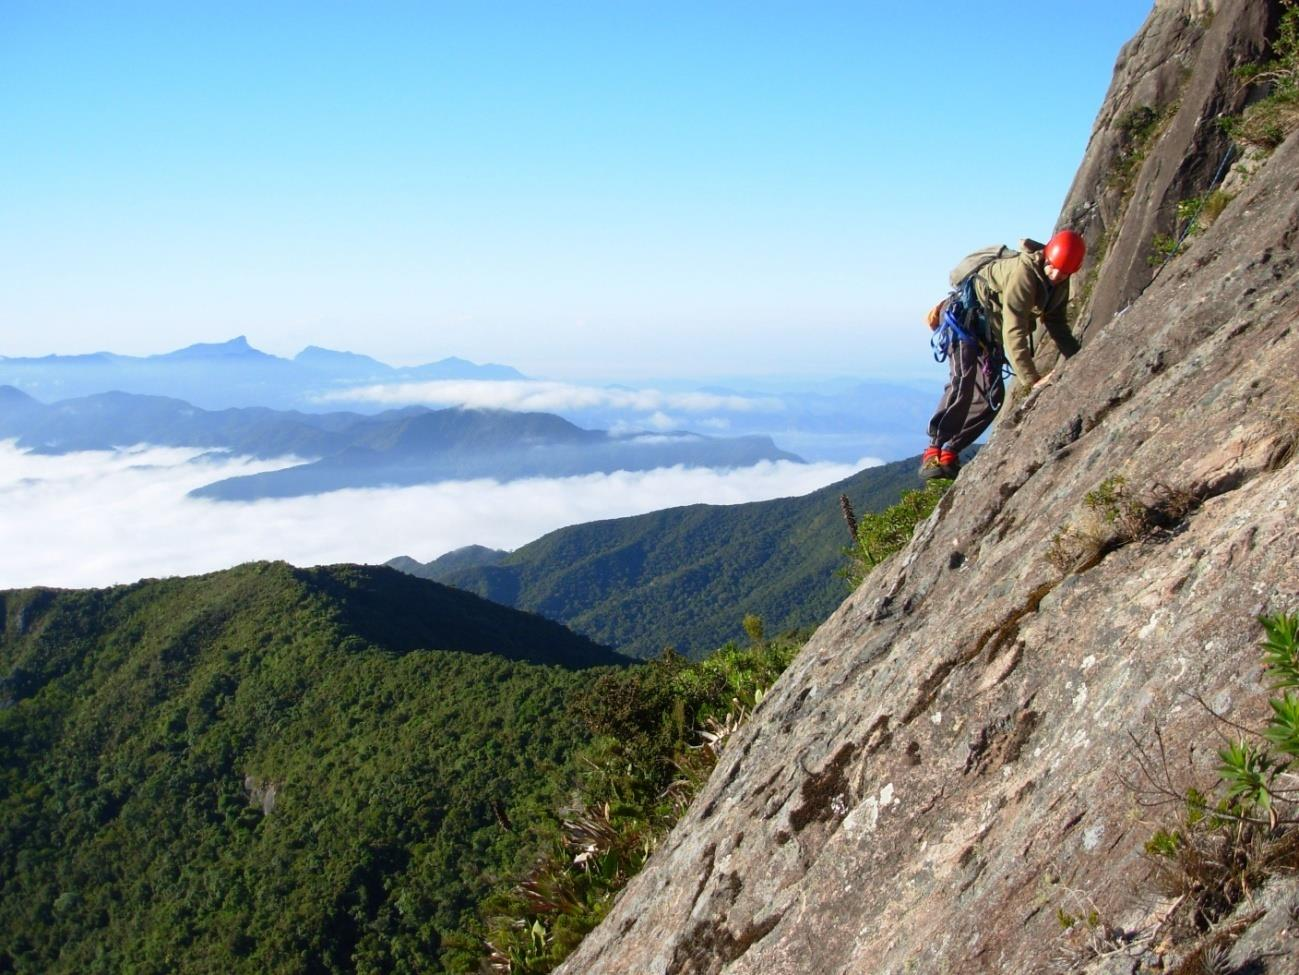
(1065, 251)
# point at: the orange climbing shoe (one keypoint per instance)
(931, 465)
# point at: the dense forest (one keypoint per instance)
(272, 769)
(257, 770)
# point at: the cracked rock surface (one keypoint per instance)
(950, 760)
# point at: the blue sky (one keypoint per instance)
(616, 190)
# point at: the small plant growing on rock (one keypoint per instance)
(1194, 215)
(1279, 650)
(1266, 123)
(1225, 846)
(1137, 129)
(1211, 206)
(1113, 516)
(1163, 247)
(878, 535)
(1113, 502)
(1084, 935)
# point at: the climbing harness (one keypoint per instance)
(963, 320)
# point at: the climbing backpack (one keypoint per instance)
(959, 317)
(975, 261)
(960, 276)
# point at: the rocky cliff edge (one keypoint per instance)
(952, 763)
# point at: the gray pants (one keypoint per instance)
(974, 394)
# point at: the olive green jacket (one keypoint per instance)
(1015, 293)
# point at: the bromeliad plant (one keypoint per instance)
(1258, 776)
(1225, 847)
(1280, 655)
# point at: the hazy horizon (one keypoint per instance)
(617, 191)
(769, 376)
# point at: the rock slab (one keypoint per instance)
(953, 762)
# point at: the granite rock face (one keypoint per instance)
(1157, 139)
(953, 759)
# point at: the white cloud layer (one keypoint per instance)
(101, 518)
(547, 397)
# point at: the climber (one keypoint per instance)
(990, 318)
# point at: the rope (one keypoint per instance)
(1190, 224)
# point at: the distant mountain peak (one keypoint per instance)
(318, 355)
(12, 395)
(237, 346)
(454, 367)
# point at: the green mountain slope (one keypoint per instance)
(468, 557)
(686, 576)
(267, 769)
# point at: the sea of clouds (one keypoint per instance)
(99, 518)
(549, 397)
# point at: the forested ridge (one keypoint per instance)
(268, 769)
(342, 769)
(685, 577)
